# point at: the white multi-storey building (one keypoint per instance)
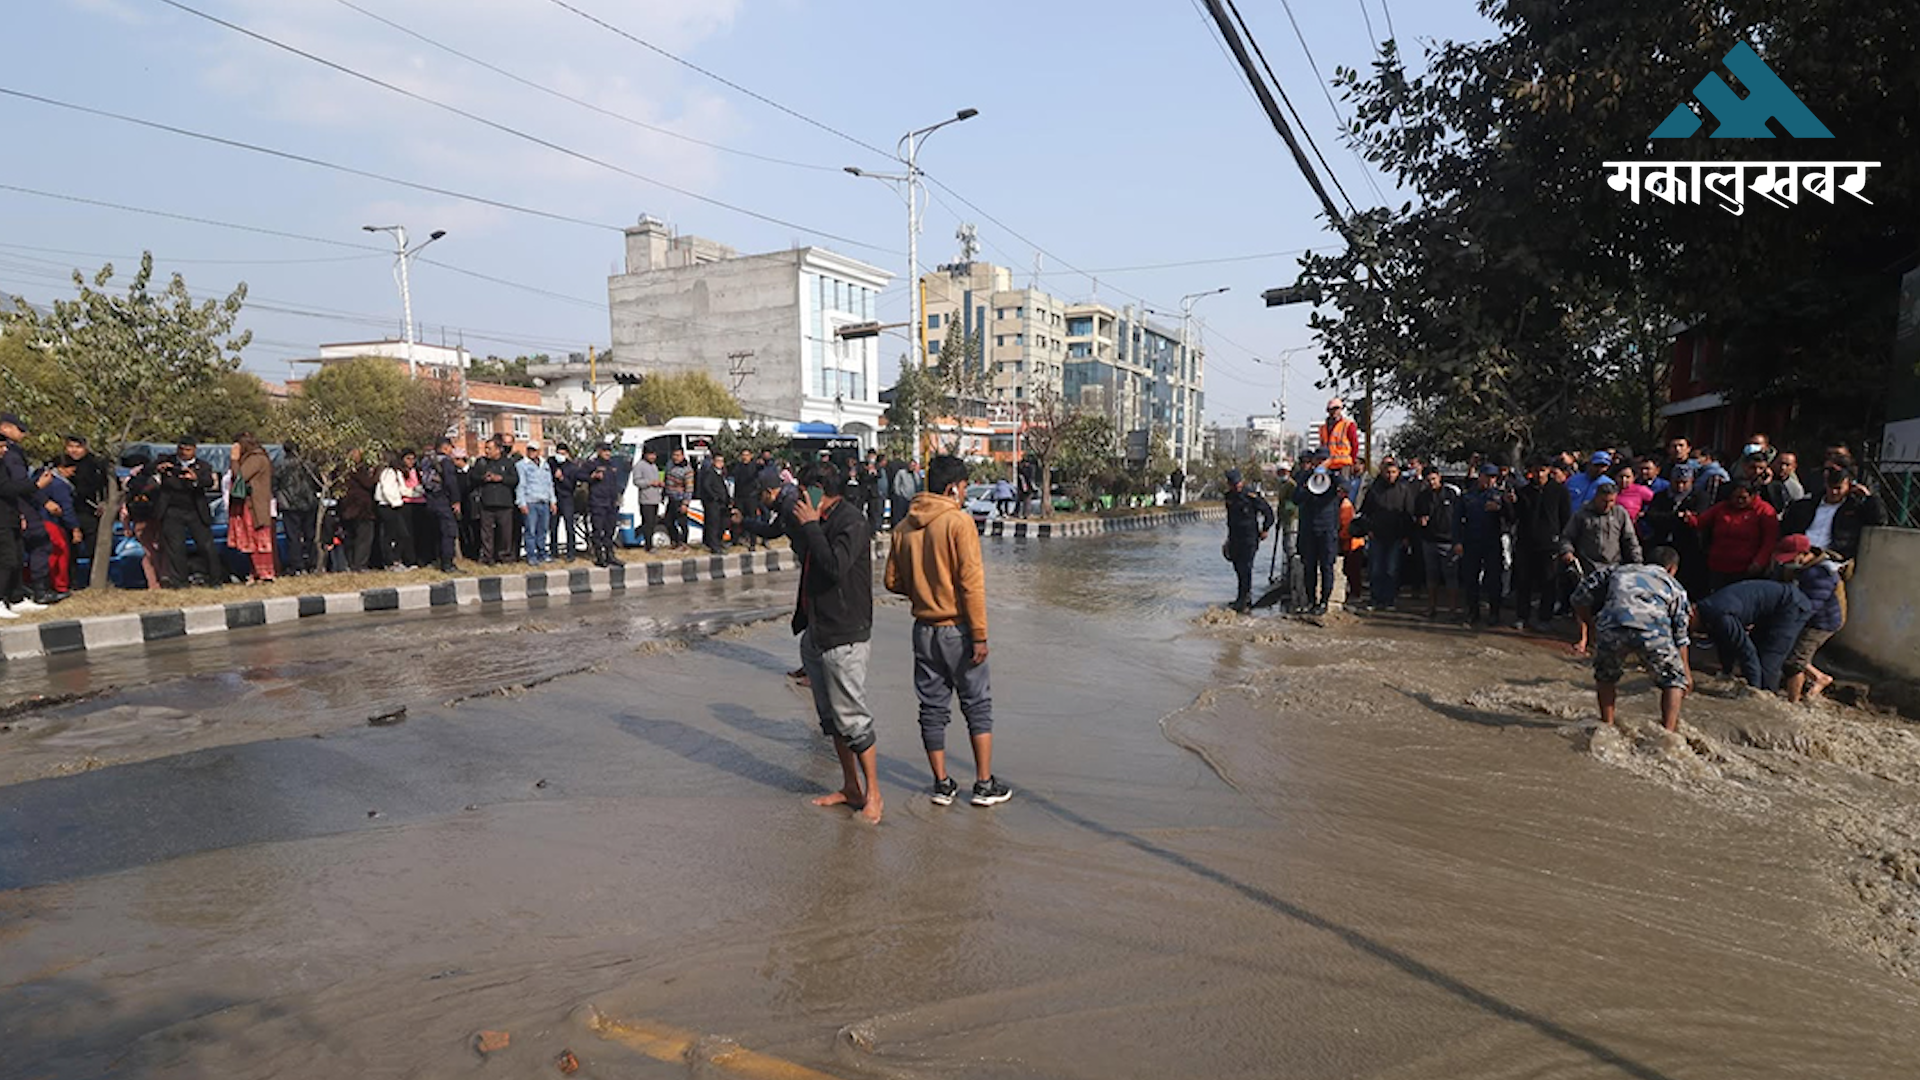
(762, 325)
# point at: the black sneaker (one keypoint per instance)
(990, 792)
(945, 791)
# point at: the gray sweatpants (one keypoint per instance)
(942, 664)
(839, 679)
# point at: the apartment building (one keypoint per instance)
(762, 325)
(1113, 360)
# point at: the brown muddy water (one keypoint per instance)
(1238, 848)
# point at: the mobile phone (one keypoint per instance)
(815, 496)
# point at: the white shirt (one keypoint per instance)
(1820, 533)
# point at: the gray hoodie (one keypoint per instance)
(1597, 539)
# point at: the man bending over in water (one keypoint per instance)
(1642, 610)
(834, 618)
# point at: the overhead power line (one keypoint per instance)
(206, 262)
(721, 79)
(1373, 38)
(188, 218)
(582, 102)
(1282, 90)
(1274, 114)
(286, 155)
(1326, 90)
(518, 133)
(376, 252)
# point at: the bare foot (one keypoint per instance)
(871, 811)
(851, 799)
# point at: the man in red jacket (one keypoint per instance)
(1739, 533)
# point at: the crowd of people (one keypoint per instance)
(1629, 552)
(511, 502)
(48, 517)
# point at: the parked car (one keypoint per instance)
(981, 505)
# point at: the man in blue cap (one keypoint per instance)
(1481, 519)
(1249, 519)
(1580, 484)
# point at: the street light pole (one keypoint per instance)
(907, 152)
(1186, 350)
(402, 255)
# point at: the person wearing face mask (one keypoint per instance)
(1319, 500)
(565, 476)
(935, 563)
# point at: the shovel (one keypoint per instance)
(1277, 585)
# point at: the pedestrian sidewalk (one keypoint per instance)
(62, 636)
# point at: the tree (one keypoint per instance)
(239, 404)
(914, 391)
(327, 441)
(1042, 431)
(1087, 450)
(747, 435)
(660, 398)
(116, 366)
(580, 430)
(376, 394)
(503, 372)
(1522, 284)
(958, 377)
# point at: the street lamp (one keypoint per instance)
(1186, 350)
(402, 255)
(907, 152)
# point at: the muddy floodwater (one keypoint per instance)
(1238, 847)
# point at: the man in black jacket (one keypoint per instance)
(710, 487)
(745, 474)
(1834, 519)
(89, 485)
(833, 615)
(606, 482)
(1541, 509)
(296, 495)
(495, 479)
(1389, 511)
(566, 474)
(1433, 514)
(16, 485)
(1249, 520)
(186, 486)
(441, 480)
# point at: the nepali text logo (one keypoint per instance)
(1768, 99)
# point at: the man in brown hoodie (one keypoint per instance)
(935, 564)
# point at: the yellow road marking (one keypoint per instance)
(670, 1044)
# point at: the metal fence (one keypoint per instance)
(1898, 485)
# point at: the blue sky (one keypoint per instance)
(1112, 134)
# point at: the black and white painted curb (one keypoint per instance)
(112, 631)
(1044, 530)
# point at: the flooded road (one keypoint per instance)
(1237, 848)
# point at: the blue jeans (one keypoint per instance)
(534, 532)
(1383, 570)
